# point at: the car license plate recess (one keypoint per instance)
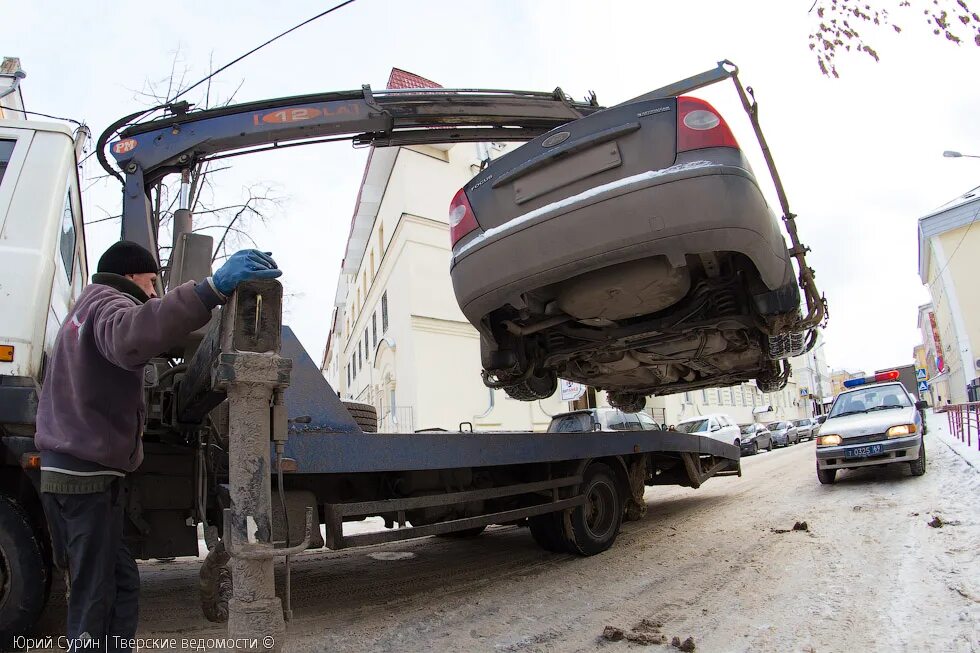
(567, 170)
(864, 452)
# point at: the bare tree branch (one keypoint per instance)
(836, 31)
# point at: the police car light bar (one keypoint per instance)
(877, 378)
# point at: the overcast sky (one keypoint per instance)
(861, 157)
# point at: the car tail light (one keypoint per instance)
(461, 218)
(700, 126)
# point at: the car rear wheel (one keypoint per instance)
(628, 402)
(539, 385)
(826, 476)
(918, 466)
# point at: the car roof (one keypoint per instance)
(709, 415)
(874, 385)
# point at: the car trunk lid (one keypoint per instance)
(604, 147)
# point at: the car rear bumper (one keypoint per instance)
(690, 208)
(896, 450)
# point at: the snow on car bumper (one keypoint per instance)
(895, 450)
(690, 208)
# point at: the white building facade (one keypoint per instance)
(398, 339)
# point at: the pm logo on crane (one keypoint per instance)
(126, 145)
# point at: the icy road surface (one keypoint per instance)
(870, 574)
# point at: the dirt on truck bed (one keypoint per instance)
(720, 568)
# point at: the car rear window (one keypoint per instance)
(571, 423)
(694, 426)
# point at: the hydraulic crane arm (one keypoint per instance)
(146, 152)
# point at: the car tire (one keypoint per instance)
(365, 415)
(547, 531)
(595, 525)
(918, 466)
(826, 476)
(537, 386)
(755, 448)
(628, 402)
(25, 571)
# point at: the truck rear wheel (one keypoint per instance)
(548, 532)
(365, 415)
(595, 524)
(24, 571)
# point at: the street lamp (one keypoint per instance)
(950, 154)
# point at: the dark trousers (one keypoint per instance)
(87, 531)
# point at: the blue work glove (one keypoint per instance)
(244, 265)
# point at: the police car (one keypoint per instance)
(873, 422)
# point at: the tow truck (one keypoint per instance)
(242, 408)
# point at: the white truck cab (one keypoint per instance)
(875, 421)
(42, 257)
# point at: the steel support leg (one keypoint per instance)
(254, 612)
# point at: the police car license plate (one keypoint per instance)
(863, 452)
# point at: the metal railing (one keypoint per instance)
(401, 420)
(964, 421)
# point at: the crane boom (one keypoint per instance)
(146, 152)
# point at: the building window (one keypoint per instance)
(364, 283)
(704, 396)
(366, 341)
(718, 392)
(384, 312)
(348, 374)
(381, 239)
(373, 270)
(374, 329)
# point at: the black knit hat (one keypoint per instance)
(126, 257)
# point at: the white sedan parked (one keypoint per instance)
(717, 427)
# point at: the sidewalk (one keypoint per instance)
(939, 429)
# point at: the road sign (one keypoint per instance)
(804, 392)
(923, 386)
(920, 374)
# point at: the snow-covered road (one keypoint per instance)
(870, 574)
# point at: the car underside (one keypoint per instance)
(703, 326)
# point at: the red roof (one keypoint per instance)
(403, 79)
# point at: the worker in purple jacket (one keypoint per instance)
(90, 422)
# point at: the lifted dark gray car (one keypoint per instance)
(630, 250)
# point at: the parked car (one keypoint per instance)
(754, 438)
(806, 428)
(718, 427)
(875, 422)
(601, 419)
(630, 250)
(783, 434)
